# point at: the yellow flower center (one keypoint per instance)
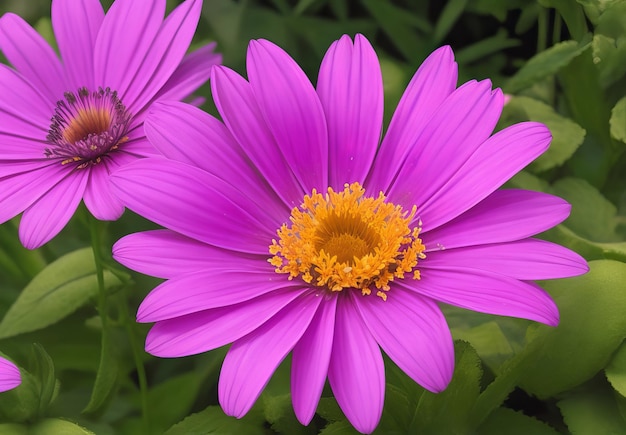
(347, 240)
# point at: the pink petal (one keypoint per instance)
(98, 197)
(236, 103)
(166, 254)
(164, 55)
(456, 130)
(76, 26)
(185, 133)
(206, 330)
(32, 56)
(350, 88)
(528, 259)
(310, 360)
(433, 82)
(192, 72)
(486, 292)
(251, 361)
(24, 103)
(19, 191)
(49, 214)
(504, 216)
(9, 375)
(495, 162)
(210, 288)
(356, 372)
(124, 39)
(195, 203)
(292, 111)
(412, 330)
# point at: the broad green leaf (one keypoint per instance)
(595, 8)
(13, 429)
(171, 400)
(278, 411)
(592, 216)
(528, 181)
(450, 14)
(592, 327)
(339, 428)
(616, 370)
(56, 292)
(544, 64)
(449, 411)
(21, 404)
(618, 120)
(609, 57)
(506, 421)
(490, 343)
(213, 421)
(329, 409)
(592, 412)
(567, 136)
(58, 426)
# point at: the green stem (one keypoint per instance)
(556, 32)
(137, 349)
(96, 246)
(542, 29)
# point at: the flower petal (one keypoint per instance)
(195, 203)
(164, 55)
(486, 292)
(19, 191)
(495, 162)
(166, 254)
(412, 330)
(9, 375)
(49, 214)
(292, 111)
(207, 289)
(98, 197)
(236, 103)
(528, 259)
(32, 56)
(185, 133)
(356, 372)
(433, 82)
(76, 26)
(251, 361)
(192, 72)
(350, 88)
(504, 216)
(457, 128)
(310, 360)
(24, 103)
(124, 39)
(206, 330)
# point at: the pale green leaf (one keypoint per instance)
(616, 370)
(13, 429)
(106, 377)
(592, 412)
(545, 64)
(56, 292)
(506, 421)
(609, 57)
(489, 341)
(618, 120)
(592, 327)
(213, 421)
(58, 426)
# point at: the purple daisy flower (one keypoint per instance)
(66, 123)
(9, 375)
(291, 229)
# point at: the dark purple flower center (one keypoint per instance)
(86, 126)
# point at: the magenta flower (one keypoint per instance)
(66, 123)
(9, 375)
(291, 229)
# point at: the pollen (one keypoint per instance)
(343, 240)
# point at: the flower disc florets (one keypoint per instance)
(86, 126)
(346, 240)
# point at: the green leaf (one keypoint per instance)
(618, 120)
(172, 399)
(567, 136)
(44, 372)
(609, 57)
(592, 326)
(13, 429)
(616, 370)
(592, 412)
(22, 403)
(490, 343)
(572, 14)
(545, 64)
(449, 411)
(506, 421)
(450, 14)
(58, 426)
(485, 47)
(592, 215)
(339, 428)
(56, 292)
(108, 369)
(212, 420)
